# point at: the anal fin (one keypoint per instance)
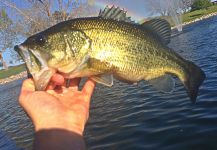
(164, 83)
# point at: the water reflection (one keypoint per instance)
(13, 121)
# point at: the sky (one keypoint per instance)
(135, 10)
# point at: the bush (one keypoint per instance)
(200, 4)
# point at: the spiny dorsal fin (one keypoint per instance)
(160, 27)
(115, 13)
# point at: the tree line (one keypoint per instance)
(164, 7)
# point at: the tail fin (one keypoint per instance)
(194, 80)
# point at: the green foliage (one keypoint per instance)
(5, 27)
(189, 16)
(4, 19)
(12, 71)
(7, 33)
(3, 13)
(200, 4)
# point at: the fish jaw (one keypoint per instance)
(42, 78)
(37, 67)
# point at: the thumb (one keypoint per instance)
(27, 88)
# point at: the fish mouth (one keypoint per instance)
(36, 65)
(24, 54)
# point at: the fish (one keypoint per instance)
(109, 46)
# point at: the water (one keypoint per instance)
(137, 117)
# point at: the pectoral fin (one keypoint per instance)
(106, 79)
(164, 83)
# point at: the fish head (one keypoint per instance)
(51, 51)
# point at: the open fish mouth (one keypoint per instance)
(32, 61)
(36, 66)
(32, 58)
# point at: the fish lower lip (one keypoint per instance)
(26, 55)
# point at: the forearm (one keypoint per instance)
(56, 139)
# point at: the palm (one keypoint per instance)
(59, 106)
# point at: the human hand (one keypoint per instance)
(58, 107)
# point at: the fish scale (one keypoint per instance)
(115, 31)
(122, 49)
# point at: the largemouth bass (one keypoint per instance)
(106, 46)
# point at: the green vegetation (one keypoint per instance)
(190, 16)
(12, 71)
(200, 4)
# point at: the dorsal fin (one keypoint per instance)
(160, 27)
(115, 13)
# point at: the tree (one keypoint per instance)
(37, 15)
(171, 10)
(156, 7)
(200, 4)
(186, 5)
(167, 7)
(6, 35)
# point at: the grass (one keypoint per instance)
(190, 16)
(11, 71)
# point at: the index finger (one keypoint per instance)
(56, 79)
(89, 88)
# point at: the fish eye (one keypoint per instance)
(40, 39)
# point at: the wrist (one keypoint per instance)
(68, 127)
(62, 122)
(57, 139)
(62, 118)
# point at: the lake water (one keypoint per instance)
(130, 117)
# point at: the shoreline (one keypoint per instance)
(197, 20)
(24, 73)
(13, 77)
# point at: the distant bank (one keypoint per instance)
(198, 19)
(197, 15)
(12, 73)
(201, 18)
(14, 77)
